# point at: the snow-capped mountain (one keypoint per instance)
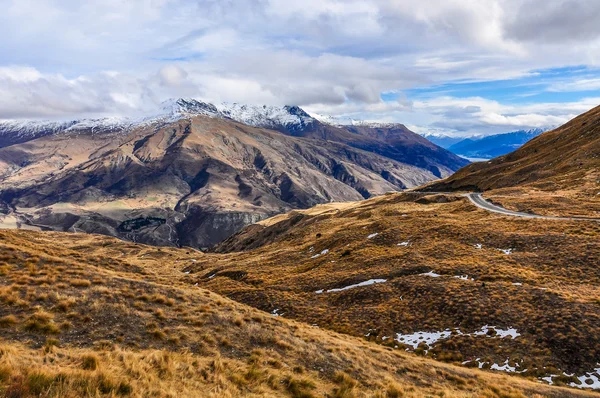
(265, 116)
(18, 131)
(272, 117)
(441, 139)
(344, 122)
(491, 146)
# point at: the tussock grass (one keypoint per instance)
(203, 342)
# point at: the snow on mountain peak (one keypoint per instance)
(187, 106)
(267, 116)
(344, 121)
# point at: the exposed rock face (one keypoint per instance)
(194, 176)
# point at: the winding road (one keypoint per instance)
(480, 202)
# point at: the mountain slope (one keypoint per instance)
(494, 145)
(193, 175)
(126, 323)
(442, 140)
(564, 158)
(427, 273)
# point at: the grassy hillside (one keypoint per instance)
(561, 159)
(444, 266)
(85, 315)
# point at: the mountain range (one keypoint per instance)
(442, 140)
(196, 172)
(491, 146)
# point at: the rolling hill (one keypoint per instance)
(84, 315)
(556, 173)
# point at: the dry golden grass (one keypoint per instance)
(563, 162)
(560, 202)
(146, 332)
(548, 288)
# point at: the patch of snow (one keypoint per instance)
(589, 380)
(478, 246)
(373, 235)
(506, 251)
(464, 277)
(324, 252)
(276, 313)
(361, 284)
(186, 272)
(517, 284)
(212, 276)
(429, 338)
(548, 379)
(431, 274)
(507, 368)
(404, 243)
(500, 333)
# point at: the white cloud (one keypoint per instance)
(66, 58)
(576, 85)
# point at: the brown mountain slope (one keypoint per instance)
(485, 288)
(565, 158)
(84, 315)
(190, 182)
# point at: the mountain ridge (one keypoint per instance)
(491, 146)
(193, 175)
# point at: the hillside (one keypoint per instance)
(493, 145)
(562, 158)
(556, 173)
(197, 173)
(124, 324)
(428, 274)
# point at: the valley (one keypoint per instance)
(441, 276)
(283, 199)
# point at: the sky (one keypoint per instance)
(455, 67)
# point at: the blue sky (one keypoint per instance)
(456, 67)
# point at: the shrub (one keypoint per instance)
(39, 383)
(298, 388)
(8, 320)
(346, 386)
(89, 362)
(80, 283)
(41, 322)
(394, 391)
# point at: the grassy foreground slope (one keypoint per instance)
(480, 289)
(85, 315)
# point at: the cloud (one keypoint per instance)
(74, 59)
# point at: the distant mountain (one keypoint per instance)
(195, 172)
(493, 145)
(566, 158)
(442, 140)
